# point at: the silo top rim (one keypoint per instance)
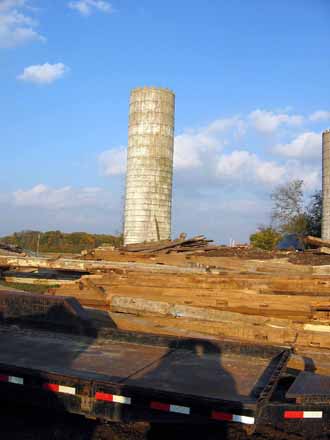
(326, 131)
(159, 89)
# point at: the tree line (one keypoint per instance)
(290, 214)
(57, 241)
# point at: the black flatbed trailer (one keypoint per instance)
(52, 355)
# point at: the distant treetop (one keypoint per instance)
(57, 241)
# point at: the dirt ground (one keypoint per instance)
(31, 424)
(307, 258)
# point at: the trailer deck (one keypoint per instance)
(202, 369)
(53, 356)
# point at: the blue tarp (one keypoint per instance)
(291, 242)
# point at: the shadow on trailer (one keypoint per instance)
(53, 355)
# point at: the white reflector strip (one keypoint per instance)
(243, 419)
(17, 380)
(313, 414)
(66, 390)
(180, 409)
(121, 399)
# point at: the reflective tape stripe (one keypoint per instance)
(217, 415)
(12, 379)
(243, 419)
(160, 406)
(170, 408)
(104, 396)
(227, 417)
(50, 387)
(16, 380)
(122, 399)
(179, 409)
(113, 398)
(313, 414)
(303, 414)
(55, 388)
(66, 390)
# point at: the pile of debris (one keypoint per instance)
(178, 288)
(10, 249)
(181, 244)
(322, 246)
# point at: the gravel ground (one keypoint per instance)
(307, 258)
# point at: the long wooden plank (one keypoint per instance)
(88, 265)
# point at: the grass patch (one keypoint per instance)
(32, 288)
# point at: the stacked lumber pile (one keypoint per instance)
(268, 301)
(274, 307)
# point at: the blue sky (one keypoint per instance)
(251, 79)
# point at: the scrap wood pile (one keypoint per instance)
(268, 302)
(318, 245)
(182, 244)
(10, 249)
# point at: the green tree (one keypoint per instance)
(314, 214)
(265, 238)
(57, 241)
(288, 207)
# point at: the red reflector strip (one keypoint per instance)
(12, 379)
(303, 414)
(104, 396)
(55, 388)
(216, 415)
(170, 408)
(160, 406)
(50, 387)
(227, 417)
(113, 398)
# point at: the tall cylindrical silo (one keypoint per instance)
(149, 175)
(326, 185)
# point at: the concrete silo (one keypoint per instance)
(326, 185)
(149, 175)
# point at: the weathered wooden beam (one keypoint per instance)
(316, 241)
(89, 265)
(38, 281)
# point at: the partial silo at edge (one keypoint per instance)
(326, 185)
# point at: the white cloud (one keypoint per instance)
(307, 144)
(43, 73)
(191, 148)
(16, 26)
(244, 166)
(320, 115)
(248, 169)
(268, 122)
(86, 7)
(113, 162)
(42, 196)
(209, 153)
(192, 145)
